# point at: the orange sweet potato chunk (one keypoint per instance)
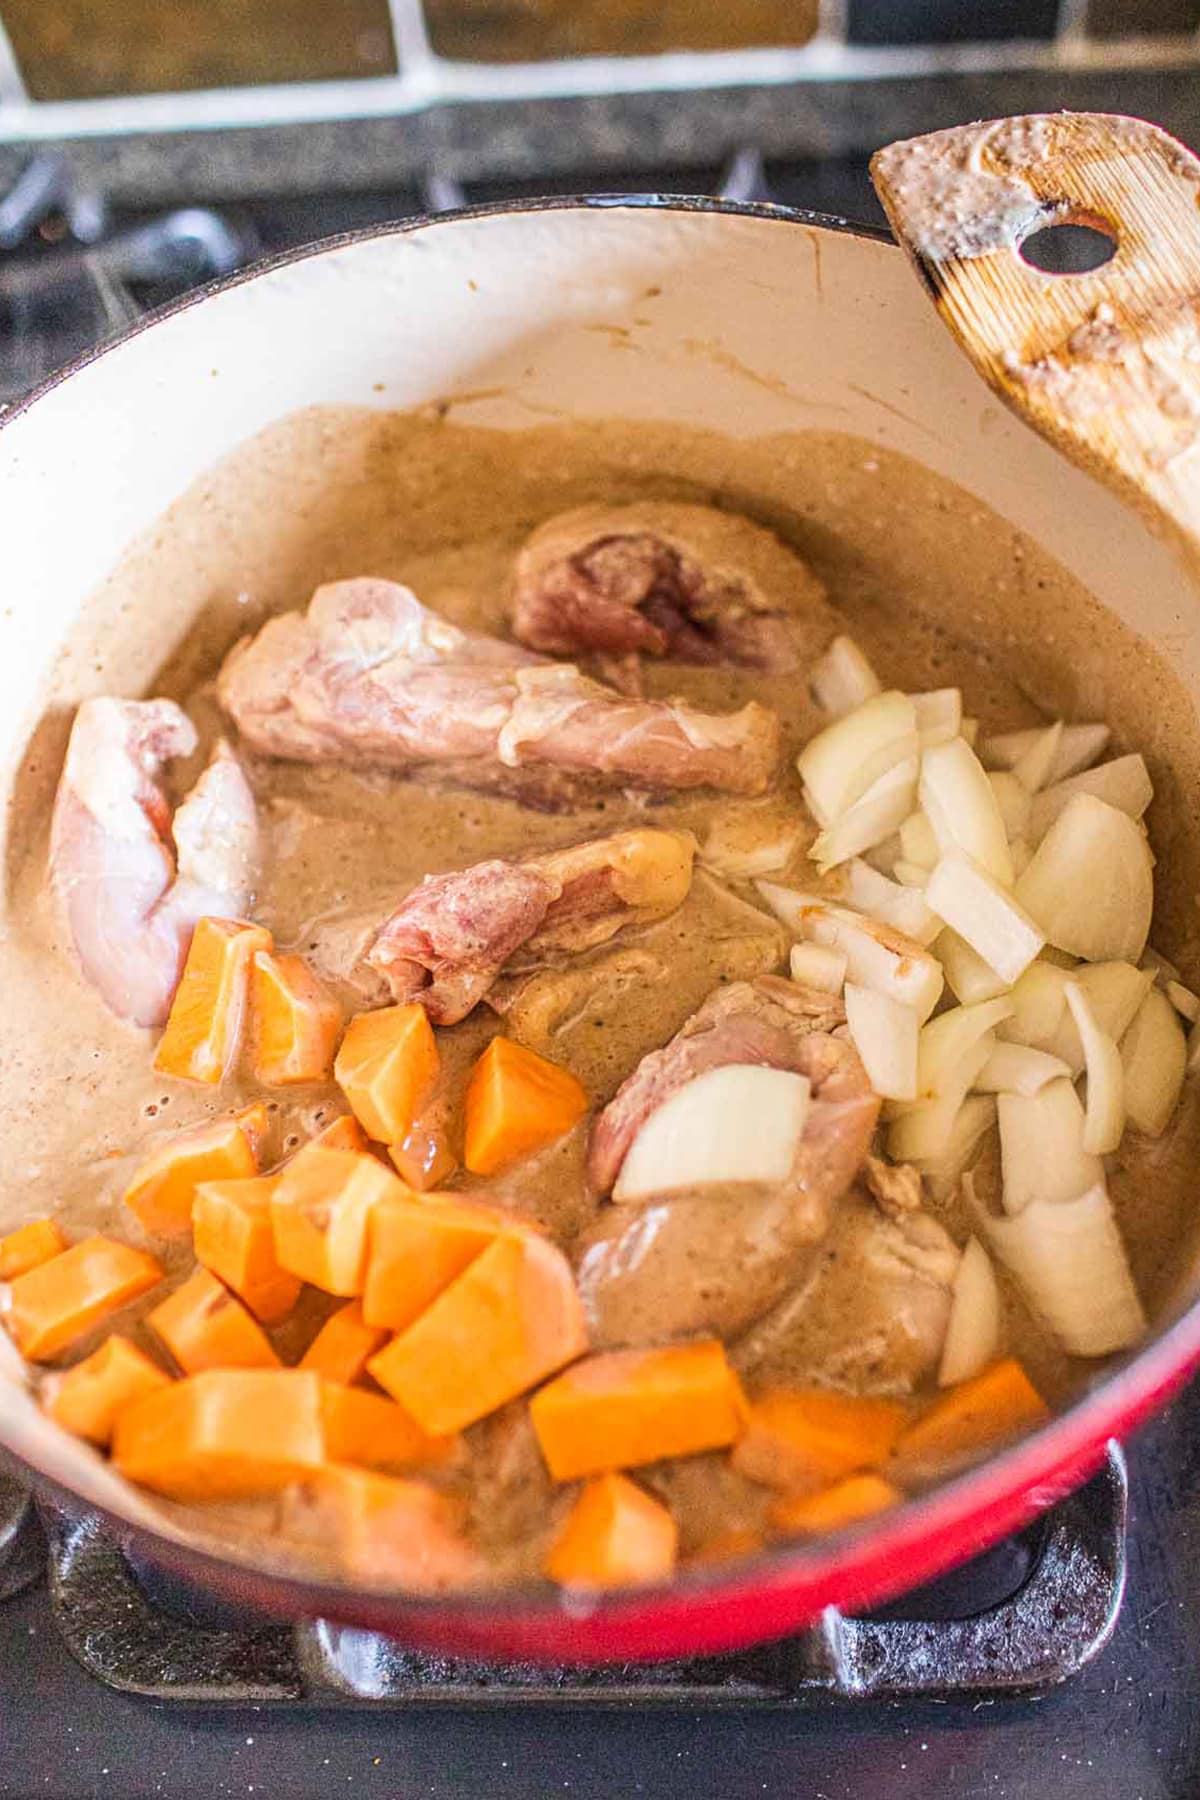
(615, 1535)
(970, 1420)
(342, 1133)
(373, 1433)
(229, 1434)
(345, 1341)
(386, 1066)
(625, 1407)
(204, 1326)
(53, 1306)
(516, 1103)
(382, 1529)
(801, 1439)
(163, 1190)
(295, 1021)
(232, 1236)
(424, 1160)
(418, 1246)
(832, 1508)
(29, 1246)
(203, 1029)
(321, 1213)
(509, 1320)
(88, 1399)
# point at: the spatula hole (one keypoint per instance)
(1068, 249)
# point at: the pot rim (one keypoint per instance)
(947, 1523)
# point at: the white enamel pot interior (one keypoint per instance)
(747, 321)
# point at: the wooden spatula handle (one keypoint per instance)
(1105, 364)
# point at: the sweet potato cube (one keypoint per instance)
(229, 1434)
(382, 1529)
(321, 1212)
(342, 1133)
(204, 1326)
(341, 1348)
(615, 1535)
(88, 1399)
(625, 1407)
(386, 1066)
(162, 1192)
(232, 1236)
(418, 1247)
(833, 1508)
(204, 1026)
(424, 1160)
(801, 1439)
(53, 1306)
(970, 1420)
(516, 1103)
(29, 1246)
(295, 1021)
(509, 1320)
(370, 1432)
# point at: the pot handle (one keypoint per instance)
(1104, 364)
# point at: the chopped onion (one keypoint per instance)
(1021, 855)
(1062, 959)
(871, 819)
(1032, 768)
(1039, 1004)
(973, 1330)
(1114, 992)
(740, 1122)
(1014, 801)
(1183, 1000)
(841, 763)
(1124, 784)
(972, 1123)
(1041, 1147)
(813, 966)
(957, 798)
(885, 856)
(968, 977)
(917, 843)
(1104, 1120)
(1090, 886)
(1193, 1049)
(1068, 1260)
(1163, 969)
(939, 715)
(885, 1035)
(948, 1039)
(870, 892)
(1154, 1056)
(922, 1133)
(969, 729)
(877, 955)
(1078, 748)
(1016, 1069)
(974, 904)
(911, 874)
(843, 678)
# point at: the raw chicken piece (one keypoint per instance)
(132, 880)
(448, 941)
(686, 582)
(713, 1259)
(371, 676)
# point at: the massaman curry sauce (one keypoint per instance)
(936, 590)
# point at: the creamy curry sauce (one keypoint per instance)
(935, 588)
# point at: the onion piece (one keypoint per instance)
(947, 1040)
(870, 820)
(968, 977)
(1163, 969)
(1016, 1069)
(1114, 991)
(885, 1035)
(939, 715)
(1068, 1260)
(974, 904)
(884, 857)
(1021, 854)
(813, 966)
(910, 874)
(918, 842)
(1078, 748)
(1039, 1005)
(1104, 1120)
(1124, 784)
(972, 1338)
(741, 1122)
(843, 678)
(957, 798)
(1041, 1147)
(1032, 768)
(1090, 886)
(1014, 801)
(969, 730)
(922, 1133)
(843, 762)
(975, 1118)
(870, 892)
(1154, 1056)
(877, 955)
(1186, 1004)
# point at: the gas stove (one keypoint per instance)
(1063, 1662)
